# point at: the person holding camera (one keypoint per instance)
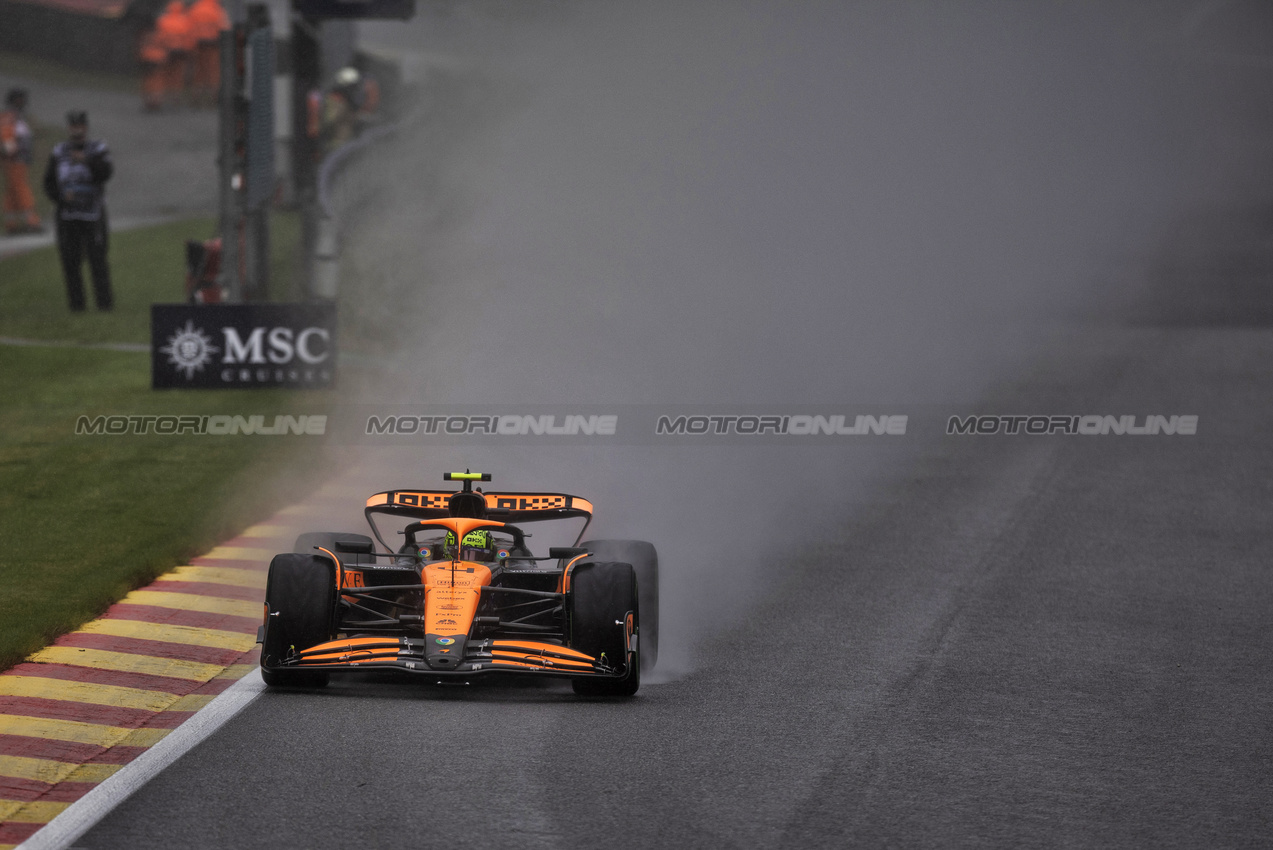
(75, 180)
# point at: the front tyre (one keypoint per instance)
(603, 595)
(300, 597)
(645, 562)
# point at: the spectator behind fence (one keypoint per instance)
(349, 106)
(75, 180)
(15, 157)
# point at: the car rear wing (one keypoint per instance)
(504, 507)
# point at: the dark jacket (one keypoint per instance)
(79, 188)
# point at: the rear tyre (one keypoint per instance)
(645, 561)
(300, 595)
(602, 596)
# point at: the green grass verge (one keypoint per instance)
(88, 518)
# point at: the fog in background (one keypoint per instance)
(856, 205)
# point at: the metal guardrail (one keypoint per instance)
(326, 275)
(337, 158)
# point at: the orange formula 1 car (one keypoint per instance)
(461, 595)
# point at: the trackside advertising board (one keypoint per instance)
(224, 346)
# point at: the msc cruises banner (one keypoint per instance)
(223, 346)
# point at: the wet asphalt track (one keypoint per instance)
(1031, 642)
(1009, 641)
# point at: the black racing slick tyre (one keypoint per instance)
(645, 561)
(347, 546)
(300, 595)
(602, 596)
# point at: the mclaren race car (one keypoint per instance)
(461, 595)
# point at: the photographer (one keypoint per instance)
(75, 180)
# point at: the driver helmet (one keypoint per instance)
(476, 546)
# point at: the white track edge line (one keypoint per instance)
(82, 815)
(18, 342)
